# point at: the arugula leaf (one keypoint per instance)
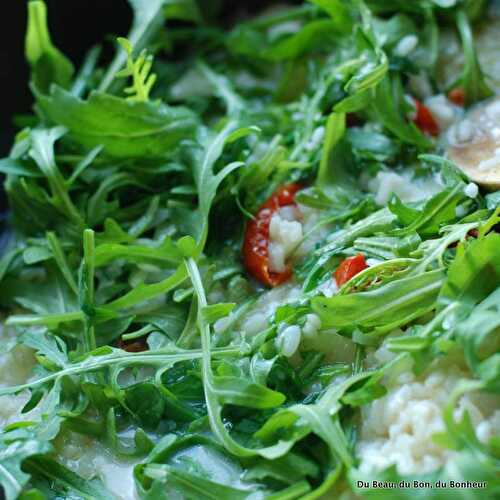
(224, 89)
(474, 273)
(225, 389)
(312, 36)
(143, 201)
(472, 80)
(383, 308)
(86, 290)
(52, 348)
(48, 64)
(125, 129)
(148, 19)
(65, 481)
(440, 209)
(60, 258)
(477, 336)
(166, 254)
(139, 70)
(389, 108)
(381, 220)
(192, 485)
(341, 14)
(42, 151)
(146, 403)
(206, 179)
(12, 456)
(332, 151)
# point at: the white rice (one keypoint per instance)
(398, 428)
(285, 235)
(404, 185)
(406, 45)
(443, 110)
(15, 368)
(259, 316)
(471, 190)
(288, 340)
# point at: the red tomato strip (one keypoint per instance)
(424, 119)
(457, 96)
(349, 267)
(256, 241)
(139, 345)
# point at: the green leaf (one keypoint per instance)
(64, 480)
(51, 298)
(287, 469)
(406, 214)
(166, 254)
(42, 151)
(206, 179)
(125, 129)
(243, 392)
(12, 456)
(107, 356)
(146, 403)
(33, 255)
(373, 70)
(18, 167)
(314, 35)
(86, 290)
(438, 210)
(389, 108)
(148, 19)
(139, 69)
(339, 12)
(382, 308)
(379, 221)
(223, 89)
(32, 494)
(372, 145)
(214, 312)
(478, 336)
(143, 292)
(472, 80)
(48, 64)
(191, 485)
(98, 206)
(51, 347)
(474, 273)
(330, 167)
(60, 258)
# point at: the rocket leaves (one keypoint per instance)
(383, 308)
(123, 282)
(12, 455)
(126, 129)
(48, 64)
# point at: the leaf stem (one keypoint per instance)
(88, 269)
(61, 260)
(93, 363)
(50, 320)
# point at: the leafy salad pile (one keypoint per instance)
(129, 190)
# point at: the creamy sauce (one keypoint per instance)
(88, 458)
